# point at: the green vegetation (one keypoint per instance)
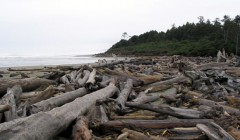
(204, 38)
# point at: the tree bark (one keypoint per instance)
(46, 125)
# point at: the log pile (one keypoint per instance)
(155, 98)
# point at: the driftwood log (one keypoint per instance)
(27, 84)
(46, 105)
(165, 109)
(46, 125)
(11, 99)
(152, 124)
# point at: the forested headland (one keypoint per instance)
(203, 38)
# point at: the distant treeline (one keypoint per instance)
(204, 38)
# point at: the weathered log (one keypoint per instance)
(150, 78)
(215, 104)
(47, 93)
(4, 107)
(27, 84)
(165, 109)
(96, 116)
(46, 105)
(156, 88)
(123, 96)
(136, 81)
(211, 65)
(73, 76)
(46, 125)
(80, 130)
(27, 95)
(11, 98)
(24, 69)
(91, 80)
(214, 133)
(82, 81)
(64, 79)
(152, 124)
(146, 99)
(179, 79)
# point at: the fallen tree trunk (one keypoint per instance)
(46, 105)
(165, 109)
(122, 98)
(152, 124)
(211, 65)
(47, 93)
(27, 84)
(82, 81)
(46, 125)
(179, 79)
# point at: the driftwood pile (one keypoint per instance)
(151, 98)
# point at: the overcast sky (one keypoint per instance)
(50, 27)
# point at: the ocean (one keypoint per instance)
(17, 61)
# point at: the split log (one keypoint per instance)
(47, 93)
(165, 109)
(82, 81)
(11, 99)
(152, 124)
(179, 79)
(123, 96)
(80, 130)
(27, 84)
(46, 125)
(46, 105)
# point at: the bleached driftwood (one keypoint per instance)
(46, 125)
(46, 105)
(27, 84)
